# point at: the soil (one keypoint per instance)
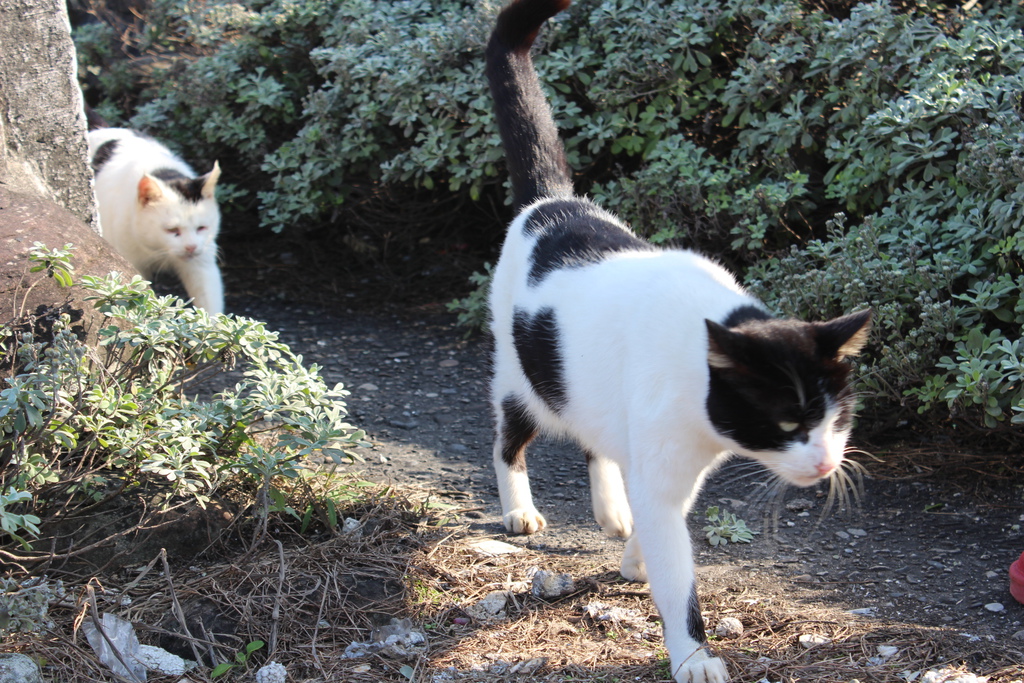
(929, 545)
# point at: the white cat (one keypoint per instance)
(156, 213)
(655, 360)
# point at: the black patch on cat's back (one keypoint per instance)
(191, 189)
(536, 341)
(574, 233)
(103, 154)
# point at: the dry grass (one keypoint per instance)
(309, 601)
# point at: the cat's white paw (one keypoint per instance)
(616, 523)
(633, 567)
(710, 670)
(524, 521)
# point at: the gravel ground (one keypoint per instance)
(922, 550)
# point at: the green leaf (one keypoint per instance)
(221, 669)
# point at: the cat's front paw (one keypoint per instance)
(524, 521)
(616, 523)
(633, 567)
(710, 670)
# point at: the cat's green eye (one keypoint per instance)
(789, 426)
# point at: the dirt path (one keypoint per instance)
(920, 552)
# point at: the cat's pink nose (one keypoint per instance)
(826, 468)
(190, 249)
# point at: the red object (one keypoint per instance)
(1017, 579)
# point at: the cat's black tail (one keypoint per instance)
(534, 152)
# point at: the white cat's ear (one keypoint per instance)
(149, 190)
(210, 183)
(719, 338)
(845, 336)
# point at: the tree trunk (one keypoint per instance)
(43, 149)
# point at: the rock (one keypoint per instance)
(995, 607)
(863, 611)
(368, 386)
(272, 672)
(620, 616)
(547, 585)
(1019, 635)
(809, 640)
(490, 608)
(950, 676)
(799, 505)
(729, 627)
(160, 660)
(398, 640)
(25, 220)
(859, 533)
(18, 668)
(529, 666)
(448, 363)
(352, 527)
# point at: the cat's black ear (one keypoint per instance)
(845, 336)
(722, 346)
(210, 182)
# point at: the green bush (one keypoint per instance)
(740, 127)
(90, 423)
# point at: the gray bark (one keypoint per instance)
(43, 150)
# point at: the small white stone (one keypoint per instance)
(489, 608)
(729, 627)
(548, 585)
(160, 660)
(887, 651)
(809, 640)
(489, 547)
(369, 386)
(995, 607)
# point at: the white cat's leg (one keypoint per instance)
(608, 496)
(660, 527)
(203, 283)
(515, 429)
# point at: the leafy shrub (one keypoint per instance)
(94, 422)
(741, 127)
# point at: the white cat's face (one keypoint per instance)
(182, 231)
(179, 216)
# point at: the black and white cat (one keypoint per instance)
(654, 359)
(157, 213)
